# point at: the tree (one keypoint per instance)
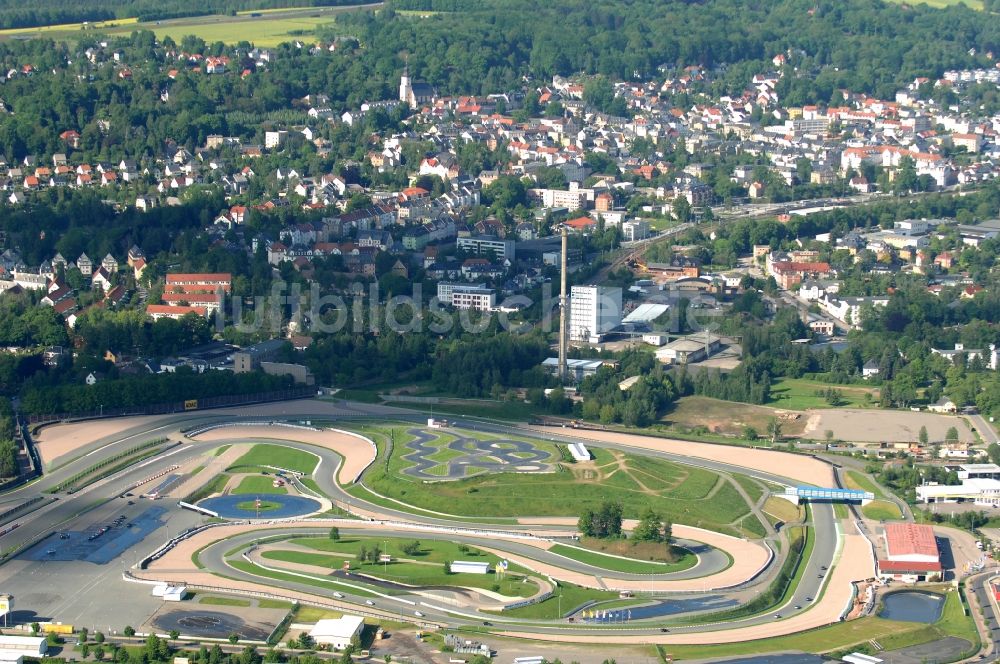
(99, 653)
(447, 567)
(411, 548)
(952, 435)
(828, 434)
(82, 638)
(306, 641)
(774, 429)
(335, 534)
(993, 452)
(35, 627)
(922, 436)
(749, 433)
(99, 637)
(129, 631)
(650, 528)
(174, 634)
(85, 651)
(234, 638)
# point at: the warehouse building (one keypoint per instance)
(911, 554)
(338, 633)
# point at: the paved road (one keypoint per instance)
(985, 429)
(68, 506)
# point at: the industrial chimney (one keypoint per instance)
(563, 306)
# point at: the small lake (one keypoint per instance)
(912, 606)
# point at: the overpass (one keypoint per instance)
(817, 494)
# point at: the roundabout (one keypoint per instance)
(270, 507)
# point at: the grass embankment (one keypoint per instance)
(565, 599)
(881, 509)
(616, 563)
(266, 457)
(256, 484)
(681, 494)
(300, 577)
(111, 465)
(801, 394)
(223, 601)
(779, 510)
(215, 485)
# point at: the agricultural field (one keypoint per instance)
(681, 494)
(262, 28)
(940, 4)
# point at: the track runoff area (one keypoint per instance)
(376, 512)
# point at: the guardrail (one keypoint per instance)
(196, 431)
(195, 508)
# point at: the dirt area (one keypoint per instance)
(801, 469)
(57, 440)
(630, 549)
(873, 426)
(729, 418)
(213, 466)
(215, 621)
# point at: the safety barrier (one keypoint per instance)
(195, 508)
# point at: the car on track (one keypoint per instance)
(339, 595)
(369, 602)
(418, 614)
(777, 616)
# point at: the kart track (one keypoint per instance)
(728, 569)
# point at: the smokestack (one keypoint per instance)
(563, 305)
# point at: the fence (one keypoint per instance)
(206, 403)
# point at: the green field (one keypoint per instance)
(412, 573)
(264, 456)
(565, 599)
(256, 484)
(682, 494)
(800, 394)
(881, 510)
(223, 601)
(857, 480)
(687, 560)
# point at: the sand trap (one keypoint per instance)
(797, 467)
(876, 426)
(358, 452)
(57, 440)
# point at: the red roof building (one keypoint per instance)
(910, 543)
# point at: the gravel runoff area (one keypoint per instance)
(357, 451)
(797, 467)
(875, 426)
(58, 440)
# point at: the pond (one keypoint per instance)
(912, 606)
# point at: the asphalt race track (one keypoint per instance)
(68, 515)
(491, 455)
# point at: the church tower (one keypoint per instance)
(405, 91)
